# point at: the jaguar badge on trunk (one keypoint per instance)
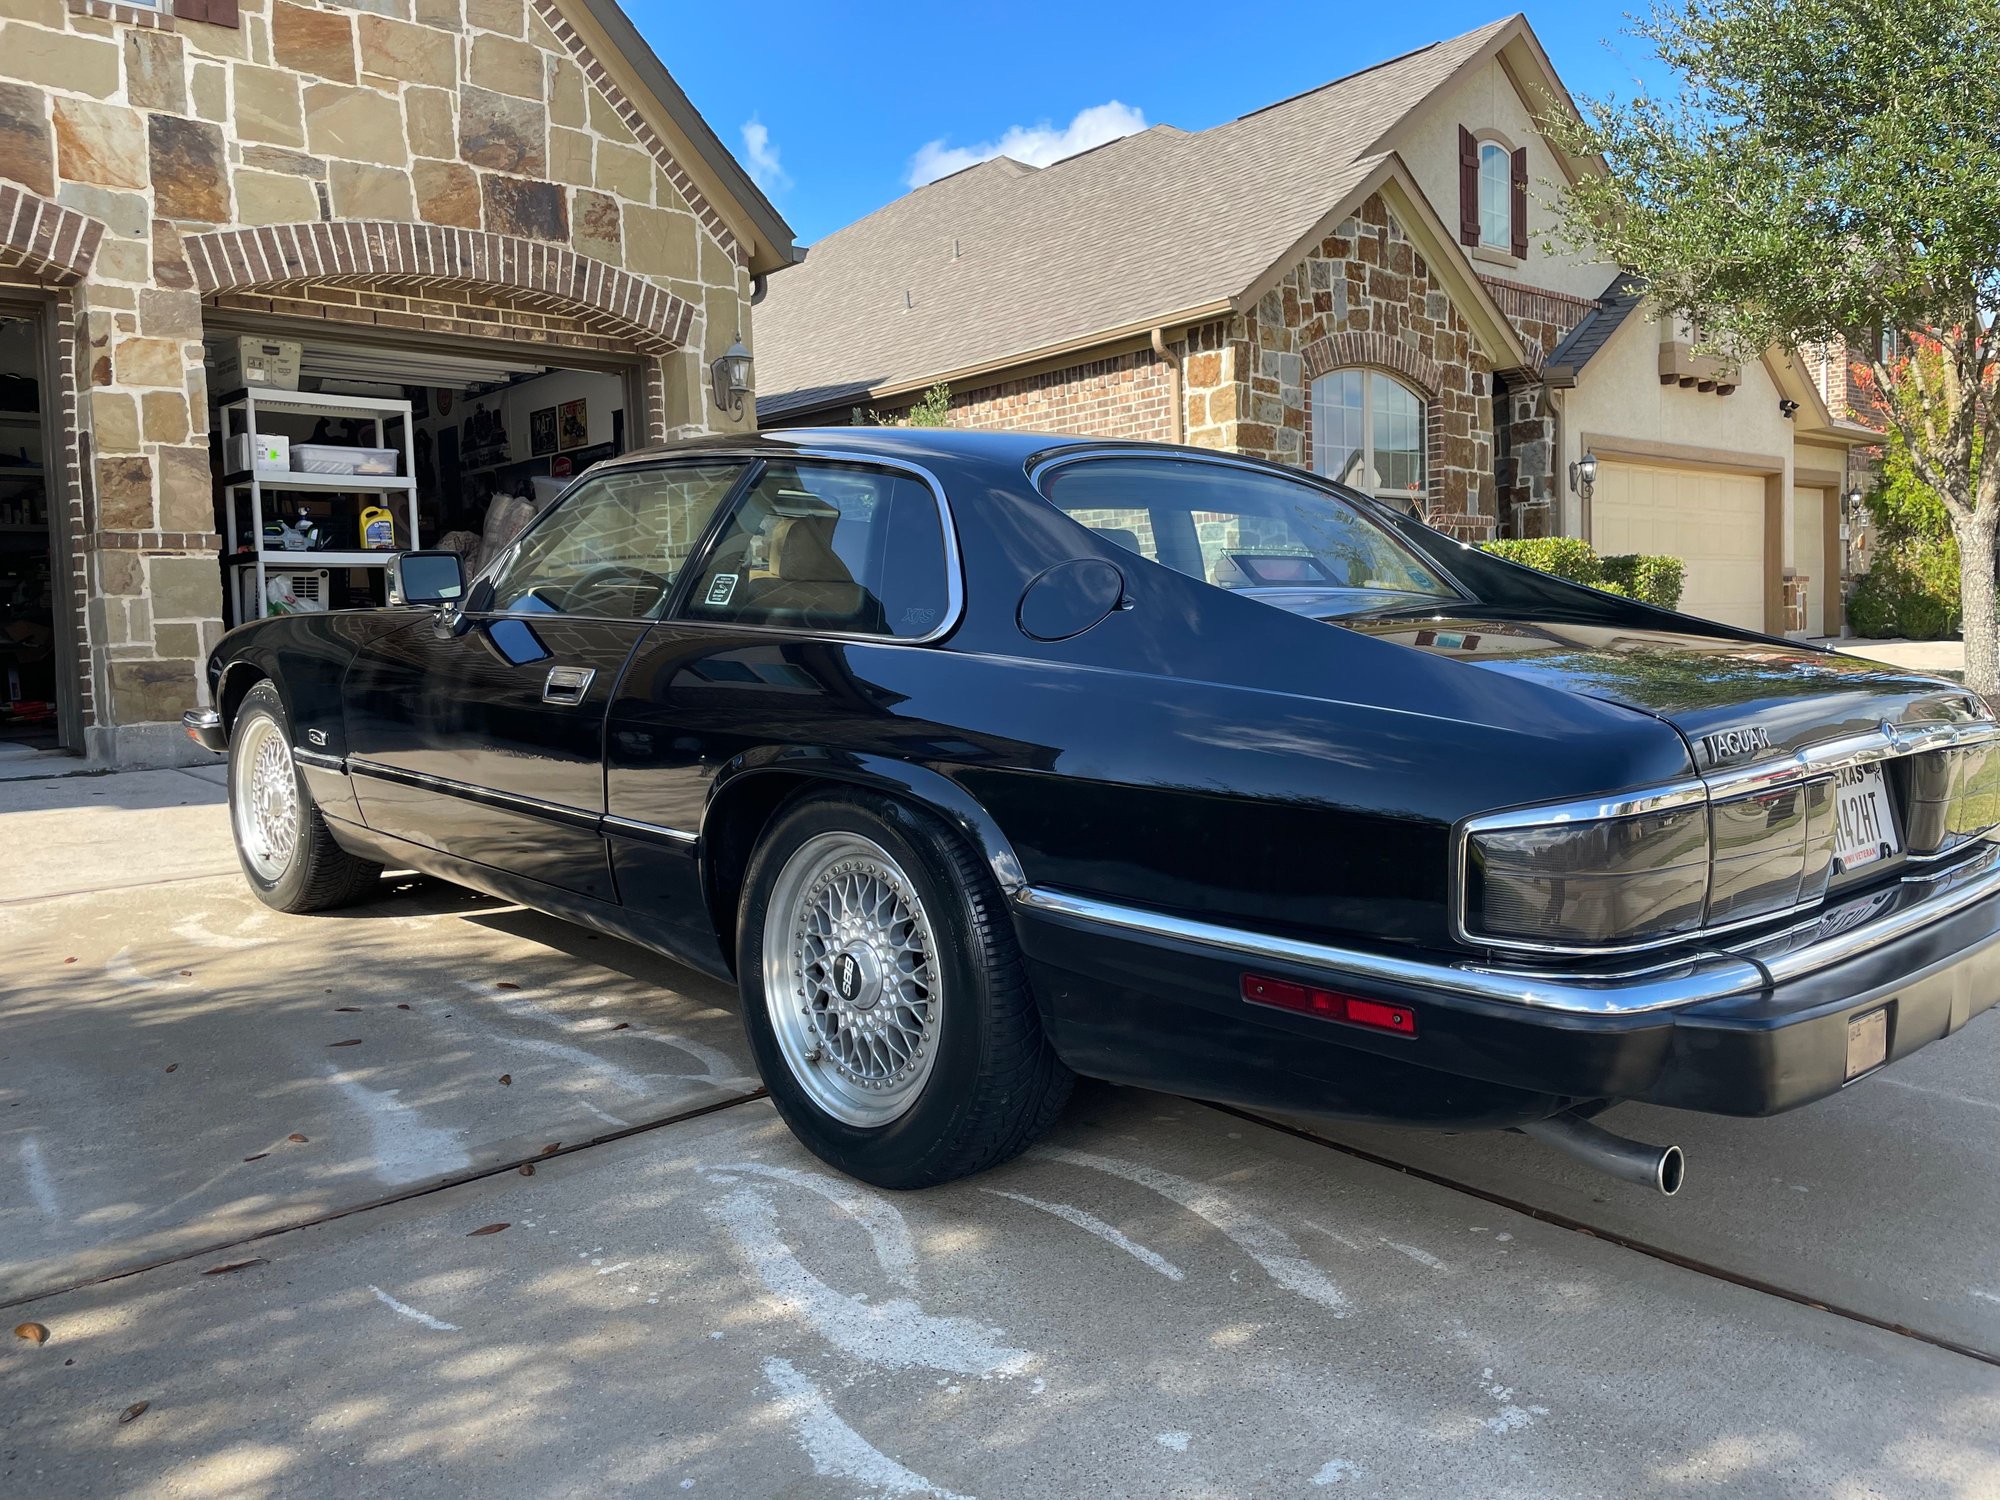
(1734, 744)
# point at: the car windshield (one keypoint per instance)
(1247, 530)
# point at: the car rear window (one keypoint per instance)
(1238, 528)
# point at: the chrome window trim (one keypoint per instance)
(954, 567)
(1809, 763)
(1660, 985)
(1359, 500)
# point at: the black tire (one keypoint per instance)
(319, 874)
(995, 1083)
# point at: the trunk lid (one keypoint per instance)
(1735, 701)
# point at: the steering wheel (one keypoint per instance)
(622, 575)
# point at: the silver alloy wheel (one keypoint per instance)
(850, 979)
(264, 802)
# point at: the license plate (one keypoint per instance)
(1865, 831)
(1867, 1041)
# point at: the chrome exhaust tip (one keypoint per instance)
(1662, 1168)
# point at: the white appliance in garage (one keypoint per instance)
(1713, 522)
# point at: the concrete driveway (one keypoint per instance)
(1164, 1299)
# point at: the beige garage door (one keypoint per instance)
(1714, 523)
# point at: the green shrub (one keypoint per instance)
(1630, 575)
(1908, 592)
(1565, 556)
(1648, 578)
(1871, 608)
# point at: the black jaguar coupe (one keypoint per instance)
(982, 760)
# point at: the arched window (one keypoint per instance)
(1496, 196)
(1368, 432)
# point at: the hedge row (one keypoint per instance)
(1650, 580)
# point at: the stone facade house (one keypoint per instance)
(1357, 281)
(393, 179)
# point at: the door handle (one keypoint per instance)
(567, 685)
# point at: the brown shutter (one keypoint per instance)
(215, 12)
(1468, 187)
(1520, 214)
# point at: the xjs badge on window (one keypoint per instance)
(1734, 744)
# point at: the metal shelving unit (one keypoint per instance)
(239, 414)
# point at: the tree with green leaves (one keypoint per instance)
(1829, 170)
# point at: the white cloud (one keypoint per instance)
(762, 157)
(1037, 145)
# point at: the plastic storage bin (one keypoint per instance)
(327, 458)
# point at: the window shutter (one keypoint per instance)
(1468, 187)
(1520, 214)
(215, 12)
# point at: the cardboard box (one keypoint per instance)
(272, 364)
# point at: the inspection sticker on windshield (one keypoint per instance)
(1864, 830)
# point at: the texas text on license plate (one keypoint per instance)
(1864, 829)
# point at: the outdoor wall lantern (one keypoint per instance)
(1583, 474)
(731, 375)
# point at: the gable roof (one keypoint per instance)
(1003, 263)
(1619, 301)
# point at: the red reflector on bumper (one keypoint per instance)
(1328, 1005)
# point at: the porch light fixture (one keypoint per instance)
(1583, 474)
(730, 373)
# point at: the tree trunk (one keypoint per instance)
(1976, 596)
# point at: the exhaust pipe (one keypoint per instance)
(1660, 1167)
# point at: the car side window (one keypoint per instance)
(829, 547)
(612, 548)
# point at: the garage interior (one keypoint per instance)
(364, 447)
(28, 714)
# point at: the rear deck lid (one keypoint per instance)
(1735, 701)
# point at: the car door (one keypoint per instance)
(820, 576)
(480, 732)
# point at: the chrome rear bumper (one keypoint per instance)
(1840, 933)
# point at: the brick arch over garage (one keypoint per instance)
(1345, 351)
(426, 258)
(44, 242)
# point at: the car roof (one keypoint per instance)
(1012, 449)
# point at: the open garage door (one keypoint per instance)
(1713, 522)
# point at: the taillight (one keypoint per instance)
(1328, 1005)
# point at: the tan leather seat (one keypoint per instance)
(807, 575)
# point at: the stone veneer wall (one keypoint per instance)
(482, 117)
(1364, 296)
(1525, 436)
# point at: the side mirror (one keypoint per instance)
(426, 578)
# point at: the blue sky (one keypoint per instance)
(841, 101)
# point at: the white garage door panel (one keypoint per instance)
(1714, 523)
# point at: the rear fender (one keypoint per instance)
(926, 788)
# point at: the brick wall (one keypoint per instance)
(1123, 396)
(487, 120)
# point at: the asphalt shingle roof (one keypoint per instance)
(1004, 259)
